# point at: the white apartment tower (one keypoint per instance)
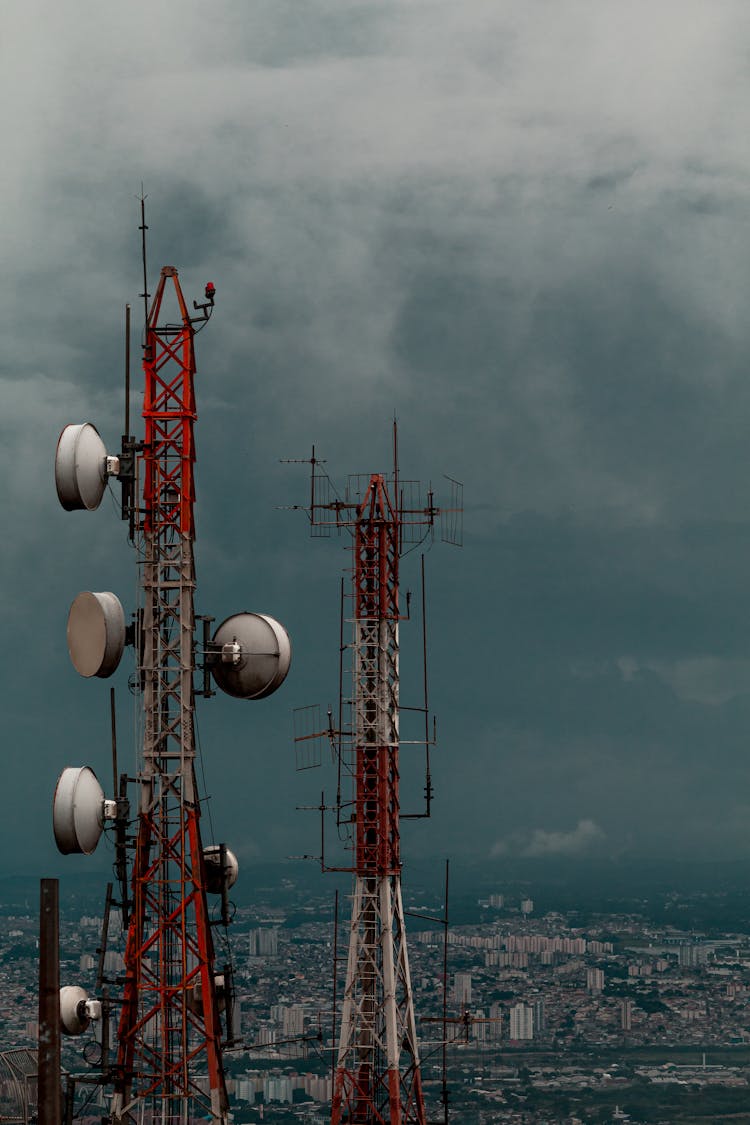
(462, 989)
(595, 981)
(521, 1022)
(626, 1014)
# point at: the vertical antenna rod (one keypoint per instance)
(428, 774)
(335, 978)
(143, 228)
(127, 370)
(444, 1091)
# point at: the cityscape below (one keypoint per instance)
(575, 992)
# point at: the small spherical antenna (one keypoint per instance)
(255, 655)
(80, 465)
(212, 859)
(77, 811)
(96, 633)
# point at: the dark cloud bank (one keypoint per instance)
(508, 239)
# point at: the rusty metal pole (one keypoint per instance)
(49, 1003)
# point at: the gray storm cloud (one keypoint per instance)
(521, 228)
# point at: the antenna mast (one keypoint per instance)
(378, 1077)
(169, 1068)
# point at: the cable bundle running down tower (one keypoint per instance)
(377, 1074)
(168, 1067)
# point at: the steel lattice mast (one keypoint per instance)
(168, 1068)
(164, 1033)
(378, 1076)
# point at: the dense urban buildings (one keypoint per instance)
(555, 1016)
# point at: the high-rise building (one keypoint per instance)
(263, 942)
(626, 1014)
(521, 1022)
(113, 962)
(595, 981)
(691, 955)
(479, 1026)
(540, 1017)
(462, 989)
(245, 1090)
(293, 1027)
(278, 1088)
(527, 906)
(293, 1020)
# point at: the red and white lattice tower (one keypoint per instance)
(169, 959)
(168, 1068)
(377, 1077)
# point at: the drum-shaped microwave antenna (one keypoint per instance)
(78, 811)
(80, 467)
(255, 655)
(77, 1010)
(96, 633)
(212, 860)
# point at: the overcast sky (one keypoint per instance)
(521, 227)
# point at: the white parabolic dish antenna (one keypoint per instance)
(73, 1017)
(212, 859)
(80, 467)
(96, 633)
(78, 811)
(263, 653)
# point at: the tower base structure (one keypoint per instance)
(378, 1078)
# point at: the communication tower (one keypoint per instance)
(377, 1076)
(167, 1065)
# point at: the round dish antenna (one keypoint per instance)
(78, 811)
(77, 1010)
(255, 655)
(80, 467)
(212, 860)
(96, 633)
